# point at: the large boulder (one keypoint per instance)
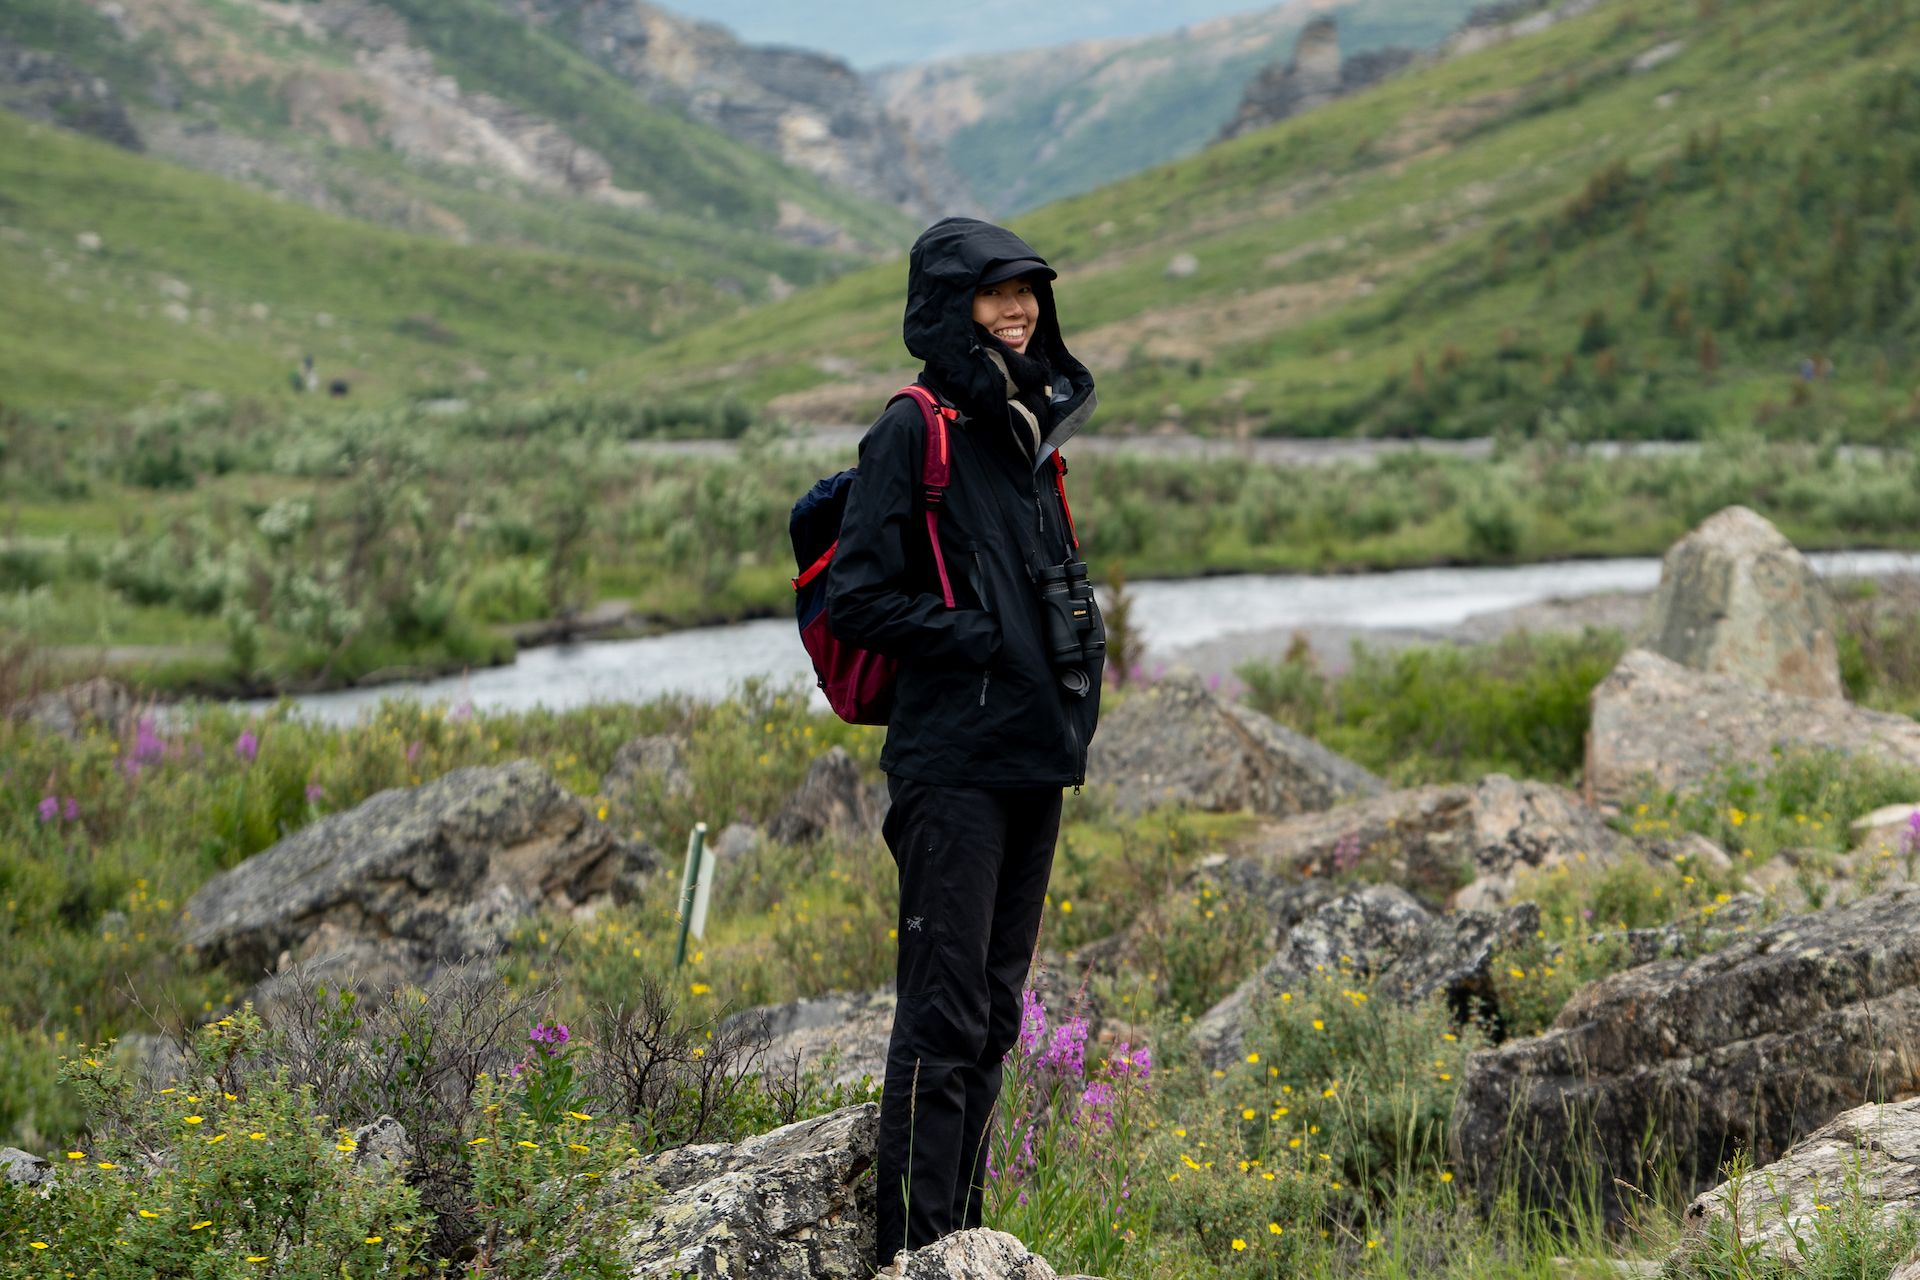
(1380, 934)
(1676, 1065)
(1179, 743)
(794, 1202)
(1454, 845)
(832, 800)
(1737, 599)
(1869, 1155)
(416, 878)
(24, 1169)
(1659, 722)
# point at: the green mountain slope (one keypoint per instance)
(1652, 220)
(457, 118)
(1029, 127)
(201, 284)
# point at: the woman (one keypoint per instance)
(995, 702)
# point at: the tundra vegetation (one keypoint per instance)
(1321, 1151)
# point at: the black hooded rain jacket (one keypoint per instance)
(976, 703)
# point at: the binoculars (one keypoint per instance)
(1075, 635)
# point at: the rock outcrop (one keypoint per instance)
(1869, 1156)
(1315, 76)
(1451, 845)
(794, 1202)
(24, 1169)
(1179, 743)
(844, 1034)
(810, 109)
(1382, 934)
(653, 759)
(1655, 720)
(416, 878)
(833, 799)
(1737, 599)
(46, 87)
(1675, 1065)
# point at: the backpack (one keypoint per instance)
(858, 682)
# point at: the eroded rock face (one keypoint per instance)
(1870, 1152)
(1382, 933)
(1655, 720)
(43, 86)
(416, 877)
(842, 1033)
(1677, 1064)
(793, 1202)
(833, 799)
(1180, 743)
(1455, 845)
(1737, 599)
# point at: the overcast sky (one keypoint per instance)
(873, 33)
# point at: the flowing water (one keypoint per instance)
(708, 662)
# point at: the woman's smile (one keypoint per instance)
(1008, 310)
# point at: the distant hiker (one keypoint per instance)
(337, 388)
(996, 699)
(295, 381)
(306, 368)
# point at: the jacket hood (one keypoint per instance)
(945, 267)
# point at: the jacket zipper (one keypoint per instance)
(985, 676)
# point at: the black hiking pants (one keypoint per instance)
(973, 875)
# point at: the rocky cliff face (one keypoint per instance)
(1316, 75)
(809, 109)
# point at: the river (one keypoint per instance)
(1172, 616)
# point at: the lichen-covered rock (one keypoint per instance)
(1448, 845)
(1379, 933)
(1179, 743)
(1869, 1155)
(795, 1202)
(1737, 599)
(833, 799)
(24, 1169)
(979, 1254)
(415, 877)
(1678, 1064)
(1657, 721)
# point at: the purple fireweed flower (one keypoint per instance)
(1129, 1063)
(1096, 1105)
(315, 792)
(49, 808)
(72, 811)
(413, 750)
(552, 1038)
(145, 749)
(462, 710)
(1033, 1021)
(1066, 1053)
(1911, 837)
(246, 746)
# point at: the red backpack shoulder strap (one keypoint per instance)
(1060, 487)
(936, 470)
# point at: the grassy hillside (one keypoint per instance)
(271, 95)
(202, 284)
(1638, 223)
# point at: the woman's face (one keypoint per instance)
(1008, 310)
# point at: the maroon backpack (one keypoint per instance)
(859, 682)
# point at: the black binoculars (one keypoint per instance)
(1075, 635)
